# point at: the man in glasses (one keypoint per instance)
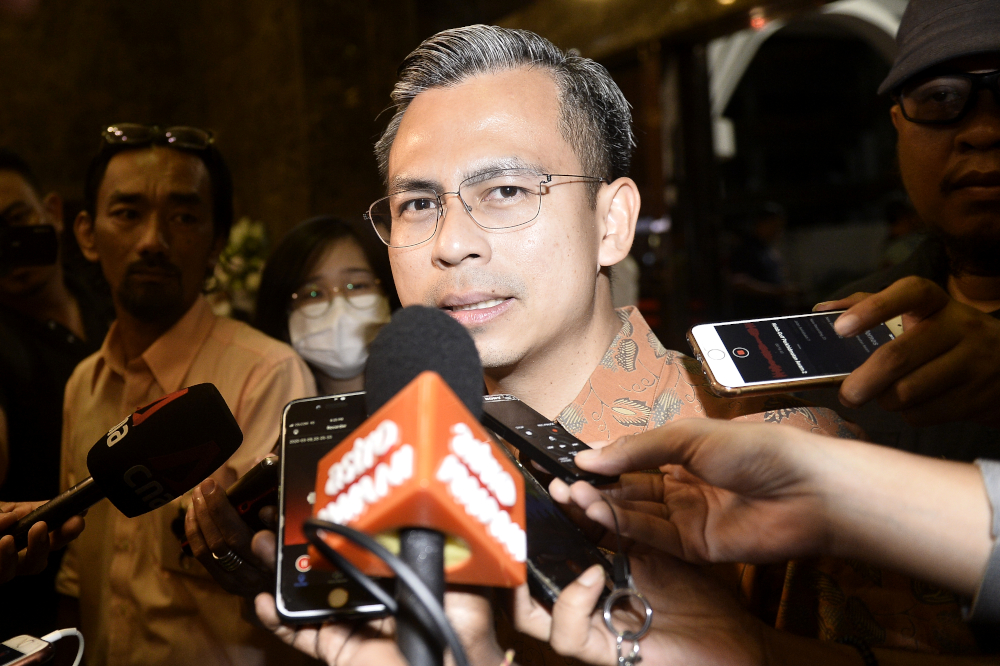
(507, 201)
(49, 322)
(943, 374)
(158, 210)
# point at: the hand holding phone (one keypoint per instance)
(781, 354)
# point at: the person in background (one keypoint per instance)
(49, 322)
(158, 210)
(935, 389)
(757, 269)
(325, 290)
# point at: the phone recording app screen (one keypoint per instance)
(797, 347)
(312, 430)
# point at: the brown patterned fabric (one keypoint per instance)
(639, 385)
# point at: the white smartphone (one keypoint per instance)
(24, 650)
(781, 354)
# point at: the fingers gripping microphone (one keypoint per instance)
(424, 468)
(156, 454)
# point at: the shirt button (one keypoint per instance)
(121, 543)
(52, 325)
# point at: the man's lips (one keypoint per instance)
(974, 180)
(475, 309)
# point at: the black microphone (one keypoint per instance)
(419, 339)
(153, 456)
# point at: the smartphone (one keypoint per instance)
(251, 493)
(538, 439)
(24, 650)
(310, 429)
(558, 552)
(782, 354)
(28, 245)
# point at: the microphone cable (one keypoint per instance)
(421, 602)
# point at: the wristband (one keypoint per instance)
(985, 605)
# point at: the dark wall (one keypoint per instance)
(292, 89)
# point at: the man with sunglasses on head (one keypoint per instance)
(943, 373)
(158, 210)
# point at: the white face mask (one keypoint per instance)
(336, 343)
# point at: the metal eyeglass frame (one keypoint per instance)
(294, 304)
(987, 81)
(468, 209)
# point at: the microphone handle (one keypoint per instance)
(423, 551)
(57, 511)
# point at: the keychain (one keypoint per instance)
(625, 587)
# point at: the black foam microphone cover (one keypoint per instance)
(164, 449)
(418, 339)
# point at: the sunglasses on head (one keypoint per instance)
(180, 136)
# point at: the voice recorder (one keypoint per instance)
(539, 439)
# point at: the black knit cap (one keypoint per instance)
(935, 31)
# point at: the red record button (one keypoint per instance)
(302, 563)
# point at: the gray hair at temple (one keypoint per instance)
(595, 118)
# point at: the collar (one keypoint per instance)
(169, 357)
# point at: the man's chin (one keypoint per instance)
(152, 306)
(972, 254)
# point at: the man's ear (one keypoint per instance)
(83, 229)
(53, 205)
(618, 208)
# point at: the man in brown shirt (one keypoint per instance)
(158, 211)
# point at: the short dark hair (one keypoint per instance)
(219, 175)
(595, 118)
(11, 161)
(294, 258)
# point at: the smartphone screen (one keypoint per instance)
(783, 350)
(310, 429)
(558, 552)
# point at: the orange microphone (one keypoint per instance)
(421, 475)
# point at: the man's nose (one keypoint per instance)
(458, 236)
(155, 234)
(982, 129)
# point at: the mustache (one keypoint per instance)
(155, 263)
(962, 176)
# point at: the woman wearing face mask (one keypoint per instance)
(326, 290)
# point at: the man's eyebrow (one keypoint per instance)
(486, 169)
(401, 184)
(125, 197)
(475, 172)
(185, 198)
(13, 207)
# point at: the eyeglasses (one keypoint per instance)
(945, 98)
(496, 201)
(314, 299)
(133, 134)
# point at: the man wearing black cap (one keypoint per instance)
(946, 369)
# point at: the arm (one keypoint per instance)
(763, 493)
(695, 621)
(944, 367)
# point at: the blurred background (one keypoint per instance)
(765, 159)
